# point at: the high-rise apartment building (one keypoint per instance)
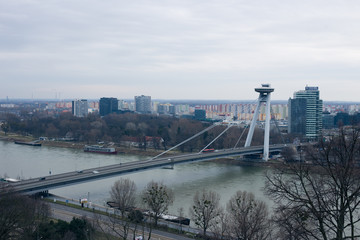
(108, 105)
(143, 104)
(172, 110)
(311, 108)
(80, 108)
(297, 116)
(162, 109)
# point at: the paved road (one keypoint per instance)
(59, 180)
(66, 213)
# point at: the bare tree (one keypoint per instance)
(220, 227)
(123, 194)
(20, 215)
(322, 197)
(136, 217)
(248, 217)
(158, 197)
(205, 209)
(289, 224)
(111, 225)
(289, 154)
(5, 127)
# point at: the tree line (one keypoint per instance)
(165, 130)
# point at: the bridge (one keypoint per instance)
(60, 180)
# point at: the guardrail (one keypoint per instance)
(69, 178)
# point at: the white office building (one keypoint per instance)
(143, 104)
(80, 108)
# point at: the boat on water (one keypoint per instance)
(34, 143)
(100, 149)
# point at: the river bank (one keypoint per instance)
(136, 151)
(26, 162)
(80, 145)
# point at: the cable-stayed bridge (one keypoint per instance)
(59, 180)
(64, 179)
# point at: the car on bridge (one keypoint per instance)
(208, 150)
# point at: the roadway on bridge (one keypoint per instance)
(69, 178)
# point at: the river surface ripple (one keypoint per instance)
(185, 179)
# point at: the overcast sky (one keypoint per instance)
(183, 49)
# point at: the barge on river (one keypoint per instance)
(100, 149)
(34, 143)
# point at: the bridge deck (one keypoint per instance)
(69, 178)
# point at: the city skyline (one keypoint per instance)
(204, 50)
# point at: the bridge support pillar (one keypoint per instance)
(264, 97)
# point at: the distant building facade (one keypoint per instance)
(297, 116)
(313, 112)
(80, 108)
(108, 105)
(242, 111)
(327, 120)
(162, 109)
(172, 110)
(143, 104)
(200, 114)
(123, 105)
(342, 119)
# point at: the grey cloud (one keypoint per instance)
(161, 43)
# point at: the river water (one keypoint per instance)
(185, 179)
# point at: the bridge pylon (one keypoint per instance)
(264, 97)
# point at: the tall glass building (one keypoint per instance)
(305, 113)
(108, 105)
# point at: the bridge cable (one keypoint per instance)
(199, 133)
(246, 125)
(240, 136)
(229, 126)
(277, 127)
